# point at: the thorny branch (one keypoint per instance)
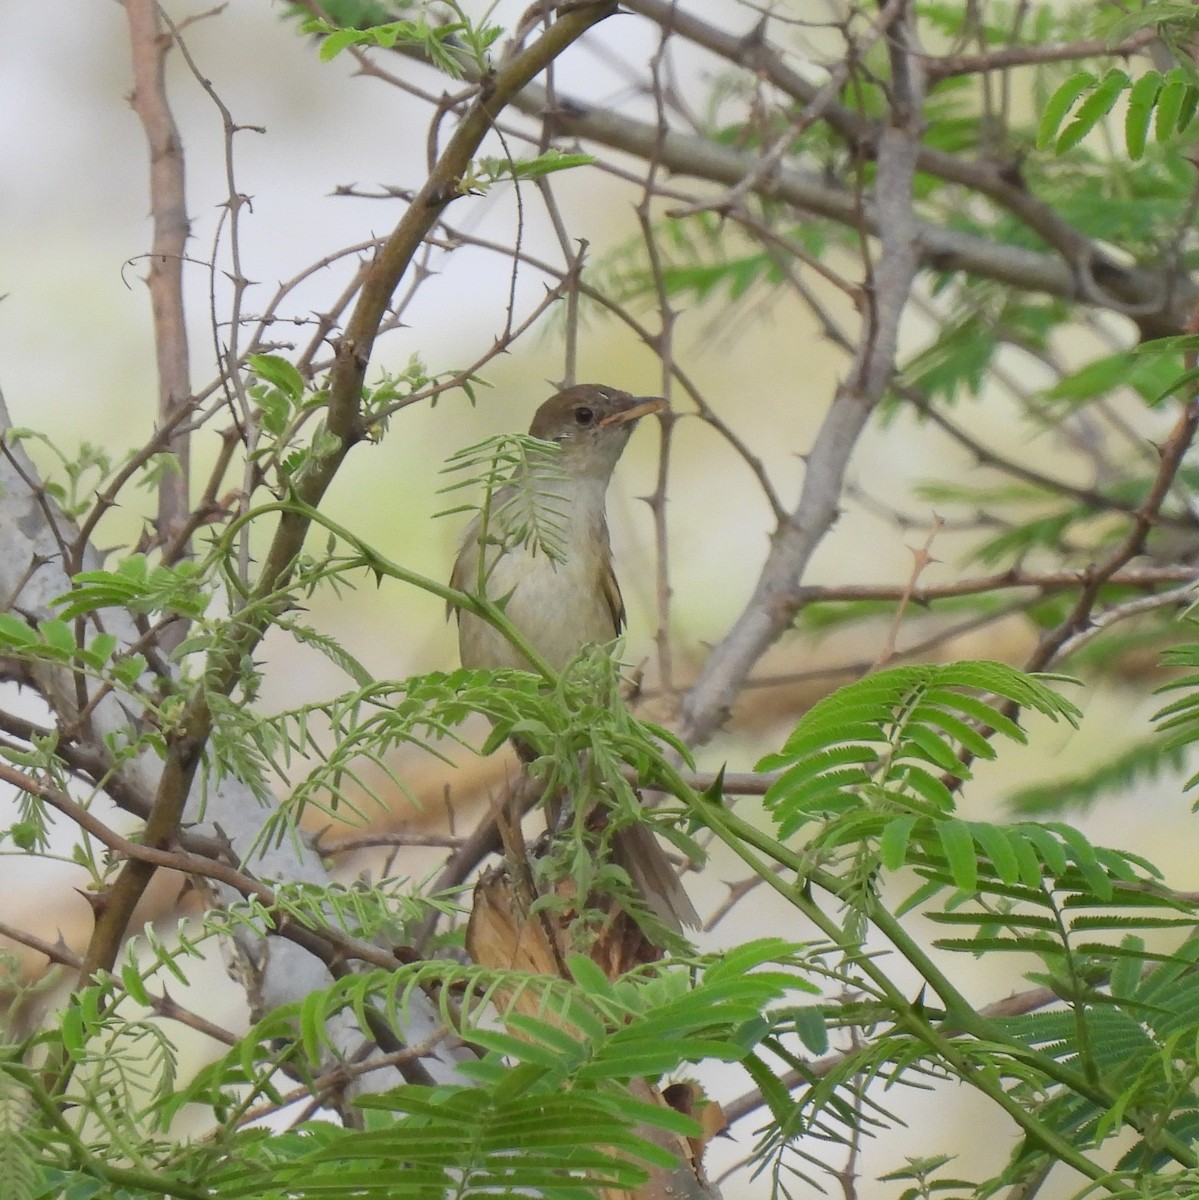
(770, 610)
(168, 206)
(344, 429)
(896, 246)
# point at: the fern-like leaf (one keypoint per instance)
(517, 475)
(1168, 102)
(898, 731)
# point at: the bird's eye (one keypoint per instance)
(584, 416)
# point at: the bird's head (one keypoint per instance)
(591, 423)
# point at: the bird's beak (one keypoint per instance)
(642, 408)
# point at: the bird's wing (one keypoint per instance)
(464, 565)
(614, 598)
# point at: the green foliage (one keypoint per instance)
(1132, 1038)
(458, 1141)
(868, 777)
(495, 170)
(358, 13)
(396, 390)
(286, 403)
(585, 1032)
(341, 746)
(585, 741)
(389, 908)
(52, 642)
(16, 1150)
(536, 1086)
(519, 507)
(702, 260)
(1151, 376)
(73, 481)
(1179, 719)
(898, 739)
(1167, 101)
(445, 42)
(180, 590)
(99, 1120)
(333, 755)
(1145, 763)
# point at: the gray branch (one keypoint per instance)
(1159, 300)
(772, 605)
(33, 534)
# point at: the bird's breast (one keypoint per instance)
(559, 607)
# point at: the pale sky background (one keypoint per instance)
(76, 358)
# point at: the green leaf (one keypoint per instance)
(589, 976)
(1178, 383)
(15, 632)
(771, 1088)
(996, 845)
(58, 636)
(1094, 108)
(1169, 106)
(739, 961)
(929, 788)
(812, 1029)
(1043, 947)
(440, 44)
(893, 845)
(1028, 861)
(129, 670)
(1150, 376)
(958, 845)
(885, 731)
(519, 1048)
(1190, 102)
(496, 169)
(1141, 100)
(101, 648)
(131, 978)
(1059, 104)
(337, 41)
(279, 372)
(134, 585)
(1047, 847)
(1085, 857)
(521, 504)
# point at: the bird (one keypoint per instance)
(565, 596)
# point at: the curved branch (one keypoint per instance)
(1159, 300)
(186, 742)
(771, 608)
(1092, 270)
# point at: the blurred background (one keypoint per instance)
(77, 362)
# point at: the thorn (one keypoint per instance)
(97, 901)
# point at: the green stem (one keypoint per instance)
(186, 740)
(371, 560)
(739, 835)
(149, 1182)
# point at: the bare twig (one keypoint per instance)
(769, 610)
(186, 743)
(1006, 57)
(921, 558)
(1172, 451)
(168, 208)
